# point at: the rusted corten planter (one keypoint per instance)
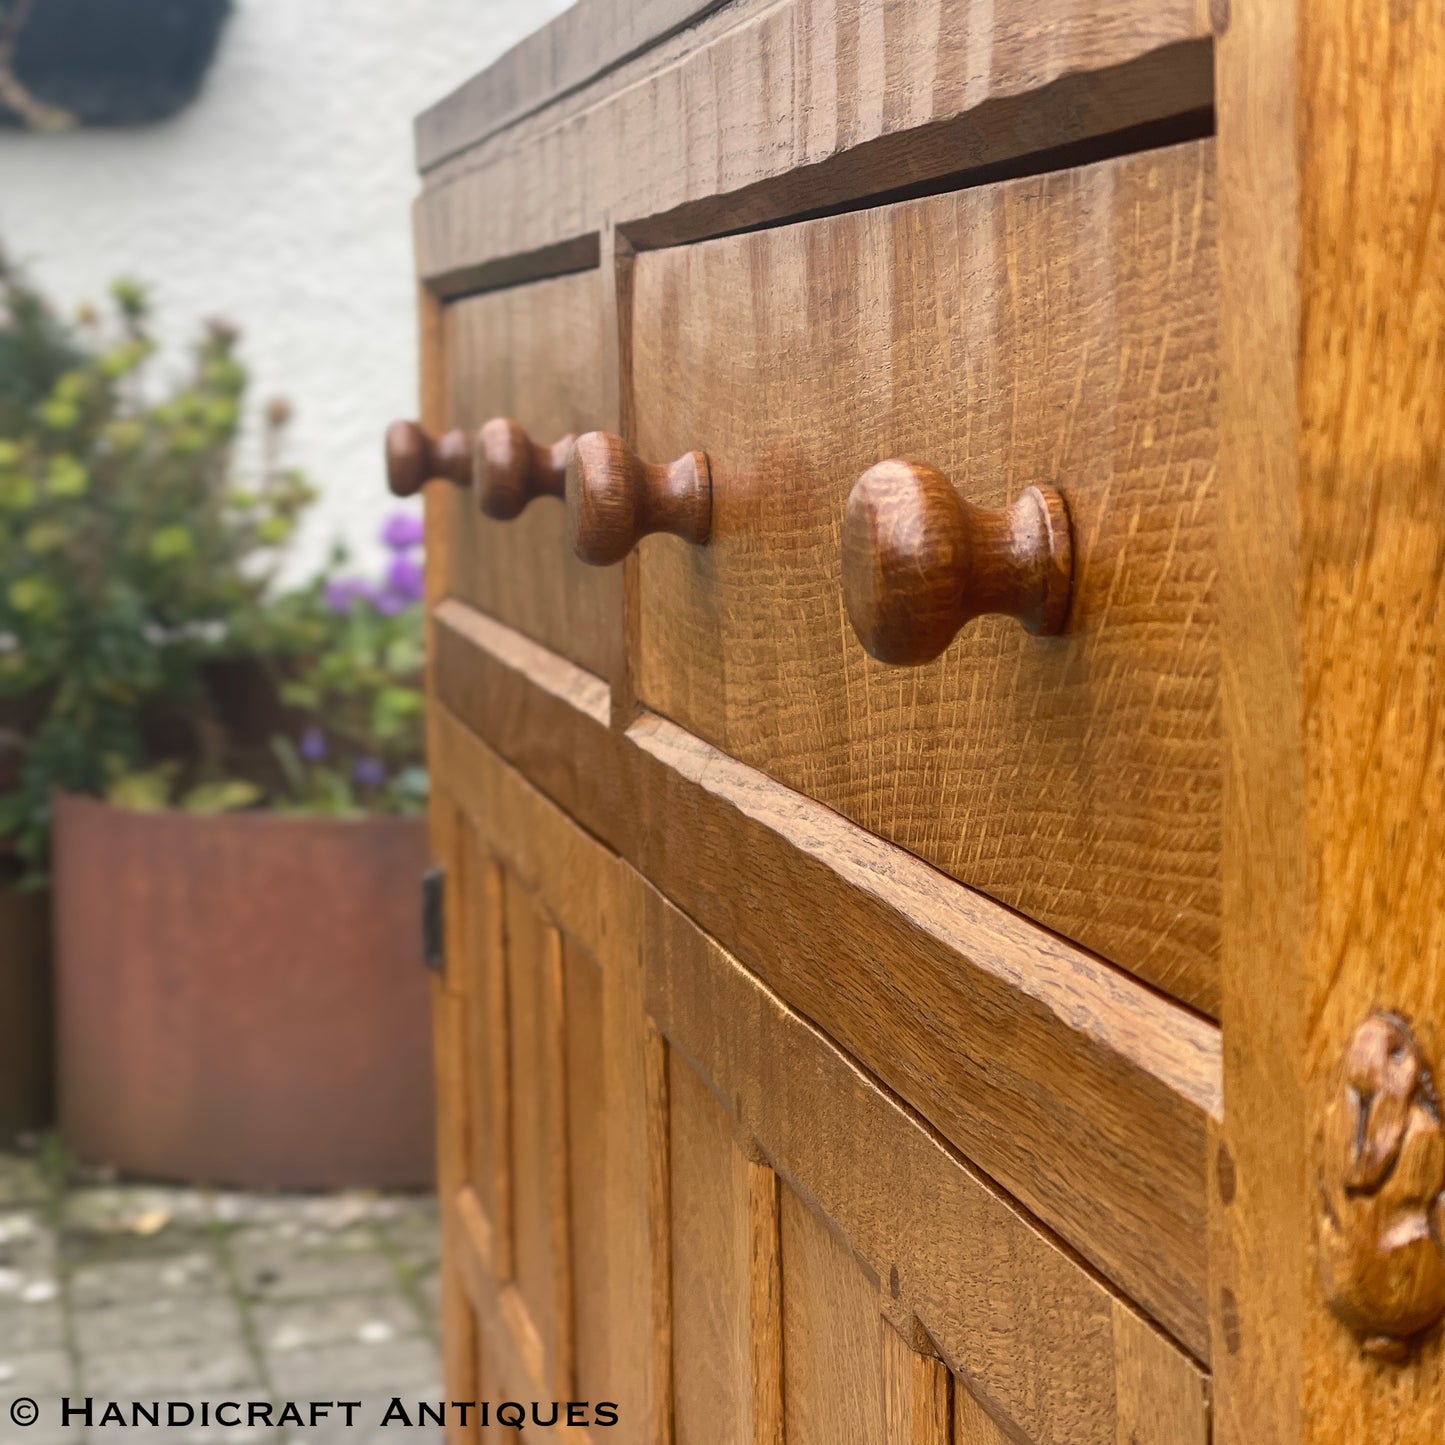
(240, 999)
(26, 1082)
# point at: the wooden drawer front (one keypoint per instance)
(533, 353)
(1057, 329)
(676, 1194)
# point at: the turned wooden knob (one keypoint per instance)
(919, 562)
(615, 499)
(511, 468)
(413, 458)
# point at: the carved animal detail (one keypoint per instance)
(1382, 1191)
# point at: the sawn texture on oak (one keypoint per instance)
(774, 108)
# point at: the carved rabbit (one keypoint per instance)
(1382, 1190)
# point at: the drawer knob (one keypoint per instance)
(511, 468)
(413, 458)
(919, 562)
(615, 499)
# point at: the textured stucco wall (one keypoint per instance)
(281, 200)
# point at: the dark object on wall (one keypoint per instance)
(239, 999)
(26, 1055)
(115, 62)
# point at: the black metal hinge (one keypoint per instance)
(434, 918)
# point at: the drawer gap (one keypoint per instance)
(564, 258)
(842, 182)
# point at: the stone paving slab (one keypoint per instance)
(160, 1322)
(366, 1319)
(374, 1372)
(37, 1373)
(430, 1288)
(275, 1263)
(43, 1377)
(413, 1236)
(132, 1209)
(136, 1291)
(172, 1371)
(315, 1211)
(195, 1274)
(29, 1329)
(22, 1181)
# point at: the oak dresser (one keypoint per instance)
(935, 548)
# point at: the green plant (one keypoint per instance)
(356, 680)
(134, 566)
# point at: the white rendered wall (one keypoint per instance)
(280, 200)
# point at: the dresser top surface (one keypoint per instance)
(576, 49)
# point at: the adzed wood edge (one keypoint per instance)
(581, 47)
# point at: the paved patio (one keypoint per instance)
(129, 1292)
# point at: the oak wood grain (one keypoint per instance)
(432, 382)
(637, 1209)
(593, 1166)
(1084, 1093)
(536, 1038)
(461, 1349)
(486, 1008)
(655, 1279)
(1053, 330)
(509, 1345)
(918, 1395)
(832, 1335)
(458, 1322)
(582, 44)
(884, 1217)
(1054, 1351)
(588, 1236)
(774, 108)
(534, 355)
(618, 260)
(1153, 1398)
(1331, 595)
(766, 1316)
(972, 1424)
(711, 1273)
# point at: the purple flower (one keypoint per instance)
(402, 531)
(389, 604)
(368, 772)
(342, 593)
(406, 579)
(313, 745)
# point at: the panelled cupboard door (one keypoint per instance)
(1055, 330)
(682, 1197)
(533, 354)
(544, 1175)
